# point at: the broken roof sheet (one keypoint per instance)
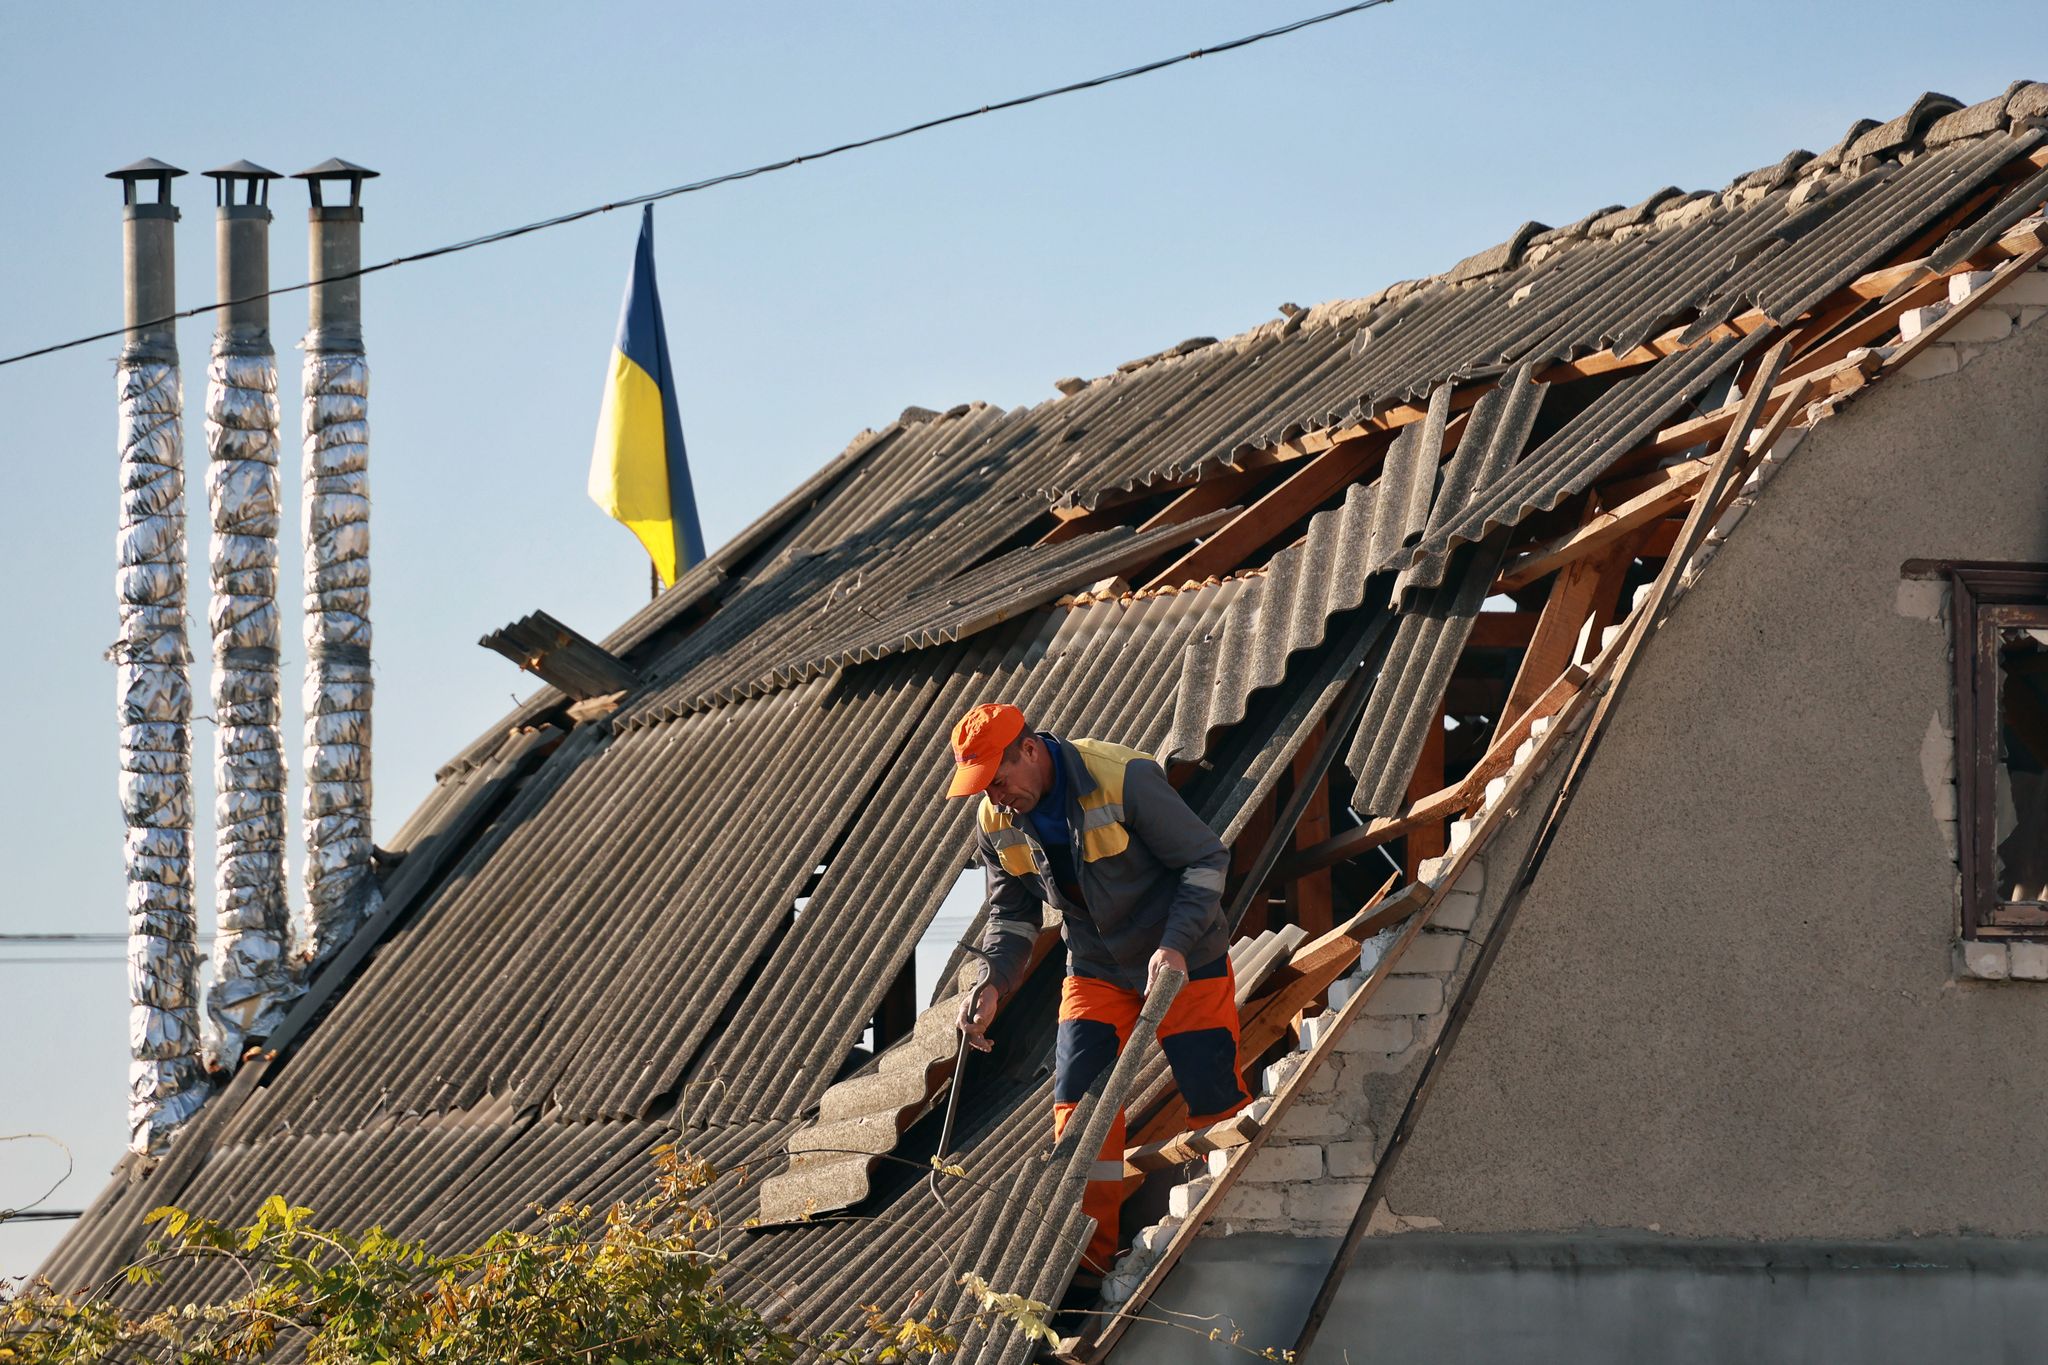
(681, 919)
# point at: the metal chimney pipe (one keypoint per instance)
(166, 1082)
(335, 500)
(252, 979)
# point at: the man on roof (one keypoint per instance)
(1094, 829)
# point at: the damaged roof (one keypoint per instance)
(685, 914)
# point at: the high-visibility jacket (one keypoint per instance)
(1151, 873)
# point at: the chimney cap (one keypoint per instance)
(244, 170)
(334, 170)
(149, 168)
(252, 180)
(148, 171)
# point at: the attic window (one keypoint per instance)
(2001, 677)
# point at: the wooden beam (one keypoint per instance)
(1556, 643)
(1668, 488)
(1244, 857)
(1431, 838)
(1300, 493)
(1211, 494)
(1440, 805)
(1502, 630)
(1181, 1148)
(1844, 376)
(1309, 895)
(1613, 568)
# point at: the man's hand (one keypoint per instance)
(977, 1009)
(1164, 958)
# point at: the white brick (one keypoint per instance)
(1430, 955)
(1525, 751)
(1181, 1199)
(1432, 870)
(1914, 321)
(2029, 290)
(2032, 314)
(1966, 354)
(1247, 1203)
(1272, 1165)
(1495, 790)
(1969, 282)
(1342, 989)
(1378, 1035)
(1473, 879)
(1152, 1240)
(1407, 995)
(1311, 1121)
(1988, 324)
(1457, 911)
(1949, 830)
(1932, 363)
(1352, 1160)
(1984, 960)
(1313, 1031)
(1324, 1079)
(1461, 833)
(2028, 961)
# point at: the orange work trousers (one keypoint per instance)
(1199, 1037)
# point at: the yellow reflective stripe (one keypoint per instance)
(1105, 842)
(1203, 878)
(1016, 859)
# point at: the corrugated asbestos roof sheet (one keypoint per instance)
(680, 921)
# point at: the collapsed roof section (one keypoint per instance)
(1258, 557)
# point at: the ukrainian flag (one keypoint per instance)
(638, 473)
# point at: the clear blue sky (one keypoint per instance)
(977, 262)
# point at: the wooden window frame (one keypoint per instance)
(1985, 597)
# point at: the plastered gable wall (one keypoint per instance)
(1727, 1006)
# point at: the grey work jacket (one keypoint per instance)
(1151, 873)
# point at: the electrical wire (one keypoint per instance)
(70, 1165)
(695, 186)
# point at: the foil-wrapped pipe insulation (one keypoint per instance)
(253, 977)
(166, 1079)
(340, 890)
(252, 980)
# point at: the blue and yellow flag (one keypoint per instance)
(638, 473)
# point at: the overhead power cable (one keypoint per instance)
(695, 186)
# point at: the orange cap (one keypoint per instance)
(978, 743)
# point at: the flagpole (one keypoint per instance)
(653, 582)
